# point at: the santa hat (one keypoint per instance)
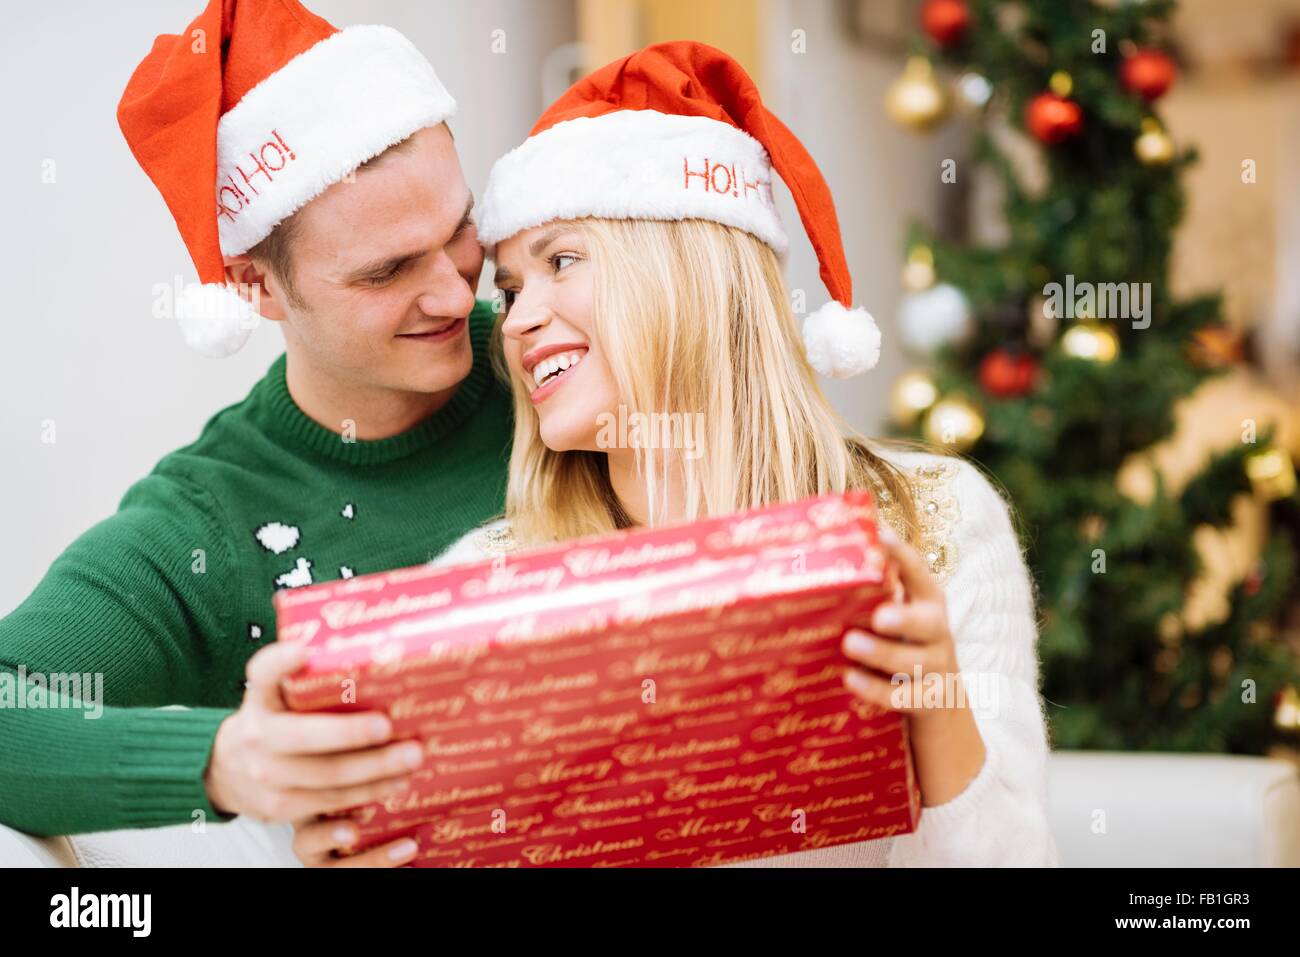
(678, 131)
(250, 114)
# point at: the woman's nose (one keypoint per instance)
(525, 317)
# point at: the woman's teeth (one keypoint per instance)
(554, 365)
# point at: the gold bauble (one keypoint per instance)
(915, 99)
(1287, 713)
(1091, 340)
(955, 422)
(1153, 147)
(1271, 473)
(1061, 83)
(918, 273)
(912, 394)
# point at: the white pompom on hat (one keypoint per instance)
(840, 342)
(678, 131)
(215, 320)
(252, 112)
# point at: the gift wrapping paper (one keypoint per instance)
(662, 697)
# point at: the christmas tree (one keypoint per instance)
(1056, 355)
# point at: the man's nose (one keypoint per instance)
(446, 292)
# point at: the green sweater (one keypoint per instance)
(170, 596)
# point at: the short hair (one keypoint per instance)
(273, 252)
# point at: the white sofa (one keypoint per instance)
(1108, 809)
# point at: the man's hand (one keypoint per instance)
(278, 766)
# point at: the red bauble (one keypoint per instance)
(1053, 119)
(1006, 375)
(945, 21)
(1251, 584)
(1148, 73)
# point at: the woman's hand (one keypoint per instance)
(909, 665)
(316, 839)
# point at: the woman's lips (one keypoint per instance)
(542, 392)
(450, 332)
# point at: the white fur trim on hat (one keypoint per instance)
(633, 164)
(313, 121)
(214, 319)
(840, 342)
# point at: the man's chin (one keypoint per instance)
(435, 373)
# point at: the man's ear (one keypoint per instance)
(255, 286)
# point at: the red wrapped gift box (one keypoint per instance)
(657, 697)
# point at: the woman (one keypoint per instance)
(630, 290)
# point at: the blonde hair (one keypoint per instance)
(694, 318)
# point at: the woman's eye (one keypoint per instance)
(562, 261)
(508, 298)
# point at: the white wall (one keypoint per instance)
(81, 255)
(881, 176)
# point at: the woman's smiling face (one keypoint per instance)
(547, 278)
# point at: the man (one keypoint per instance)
(379, 437)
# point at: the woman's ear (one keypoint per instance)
(255, 286)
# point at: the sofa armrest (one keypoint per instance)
(242, 842)
(1112, 809)
(25, 850)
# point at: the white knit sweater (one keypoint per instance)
(1000, 819)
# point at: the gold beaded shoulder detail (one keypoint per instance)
(496, 541)
(937, 513)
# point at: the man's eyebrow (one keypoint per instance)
(467, 218)
(378, 267)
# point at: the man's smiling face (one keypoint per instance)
(384, 270)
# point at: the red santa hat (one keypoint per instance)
(251, 113)
(678, 131)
